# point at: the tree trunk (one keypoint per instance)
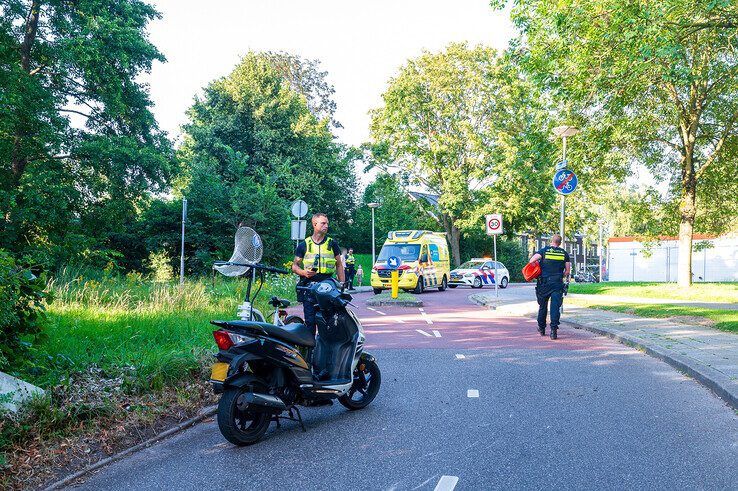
(18, 159)
(687, 212)
(453, 234)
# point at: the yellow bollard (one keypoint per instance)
(395, 283)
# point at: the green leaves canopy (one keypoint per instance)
(251, 147)
(659, 80)
(466, 125)
(79, 147)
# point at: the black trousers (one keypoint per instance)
(549, 288)
(350, 273)
(308, 308)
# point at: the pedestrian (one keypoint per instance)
(317, 258)
(350, 268)
(359, 275)
(555, 266)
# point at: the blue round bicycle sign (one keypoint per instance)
(565, 181)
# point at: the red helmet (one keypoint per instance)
(531, 271)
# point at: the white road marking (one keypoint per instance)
(400, 321)
(375, 310)
(472, 393)
(369, 308)
(460, 357)
(447, 483)
(437, 334)
(425, 316)
(424, 333)
(420, 309)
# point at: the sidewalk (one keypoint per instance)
(686, 303)
(707, 355)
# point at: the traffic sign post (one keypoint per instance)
(564, 182)
(394, 262)
(299, 227)
(494, 228)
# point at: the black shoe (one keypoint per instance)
(553, 333)
(542, 331)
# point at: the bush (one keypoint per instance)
(21, 307)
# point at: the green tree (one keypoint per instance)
(79, 147)
(397, 212)
(660, 81)
(466, 125)
(251, 146)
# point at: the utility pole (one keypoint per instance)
(181, 255)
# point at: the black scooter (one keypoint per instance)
(264, 371)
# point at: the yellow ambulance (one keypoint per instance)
(421, 258)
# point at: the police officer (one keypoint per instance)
(555, 266)
(316, 259)
(350, 268)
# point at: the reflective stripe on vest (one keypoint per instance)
(350, 259)
(319, 256)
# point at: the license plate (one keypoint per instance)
(219, 372)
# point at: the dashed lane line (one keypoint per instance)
(425, 316)
(472, 393)
(424, 333)
(446, 483)
(437, 334)
(460, 357)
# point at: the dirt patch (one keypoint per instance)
(108, 427)
(693, 320)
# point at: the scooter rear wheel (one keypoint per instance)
(237, 426)
(365, 388)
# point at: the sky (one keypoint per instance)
(360, 44)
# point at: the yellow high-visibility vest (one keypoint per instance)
(319, 256)
(350, 259)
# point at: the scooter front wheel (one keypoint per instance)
(240, 427)
(367, 379)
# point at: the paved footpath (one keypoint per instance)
(472, 399)
(706, 354)
(667, 301)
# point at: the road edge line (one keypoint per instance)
(203, 414)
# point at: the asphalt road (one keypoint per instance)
(582, 412)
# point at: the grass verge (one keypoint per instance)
(698, 292)
(725, 320)
(121, 359)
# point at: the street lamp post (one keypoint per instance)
(373, 206)
(181, 255)
(564, 132)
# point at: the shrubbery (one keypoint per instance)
(21, 307)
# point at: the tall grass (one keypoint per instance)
(152, 332)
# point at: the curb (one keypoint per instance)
(203, 414)
(390, 303)
(722, 386)
(718, 383)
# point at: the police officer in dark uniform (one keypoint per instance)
(350, 268)
(317, 258)
(555, 266)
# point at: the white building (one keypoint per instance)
(713, 259)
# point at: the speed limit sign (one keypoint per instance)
(494, 224)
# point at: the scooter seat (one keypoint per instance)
(295, 333)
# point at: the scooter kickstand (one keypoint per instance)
(299, 418)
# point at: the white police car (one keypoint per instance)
(479, 272)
